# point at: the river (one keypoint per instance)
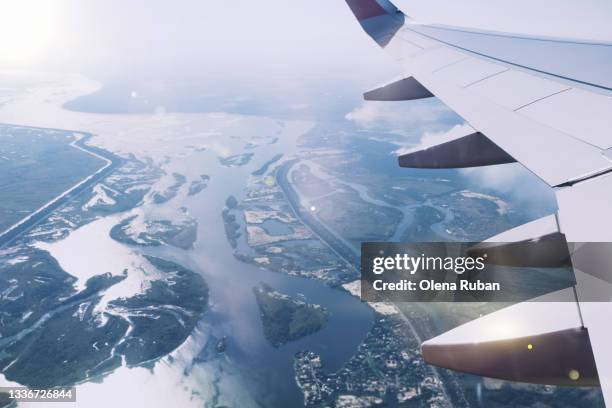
(251, 372)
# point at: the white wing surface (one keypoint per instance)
(546, 103)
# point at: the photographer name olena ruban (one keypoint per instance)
(411, 265)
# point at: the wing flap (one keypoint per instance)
(536, 228)
(468, 151)
(497, 345)
(406, 89)
(584, 210)
(559, 358)
(554, 156)
(546, 251)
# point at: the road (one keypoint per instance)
(26, 224)
(327, 237)
(341, 249)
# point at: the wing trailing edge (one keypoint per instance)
(547, 251)
(407, 89)
(559, 358)
(545, 114)
(472, 150)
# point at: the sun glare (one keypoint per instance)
(27, 29)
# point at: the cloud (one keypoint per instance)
(513, 181)
(414, 114)
(503, 178)
(432, 138)
(530, 194)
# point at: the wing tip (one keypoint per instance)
(380, 19)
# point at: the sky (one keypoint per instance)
(115, 37)
(586, 19)
(267, 38)
(275, 44)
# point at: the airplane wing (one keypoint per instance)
(546, 103)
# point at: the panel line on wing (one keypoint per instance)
(542, 98)
(514, 63)
(449, 64)
(485, 78)
(520, 37)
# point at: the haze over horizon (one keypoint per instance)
(266, 40)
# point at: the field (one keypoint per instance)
(37, 165)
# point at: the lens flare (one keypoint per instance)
(27, 29)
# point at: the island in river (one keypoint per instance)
(181, 232)
(285, 318)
